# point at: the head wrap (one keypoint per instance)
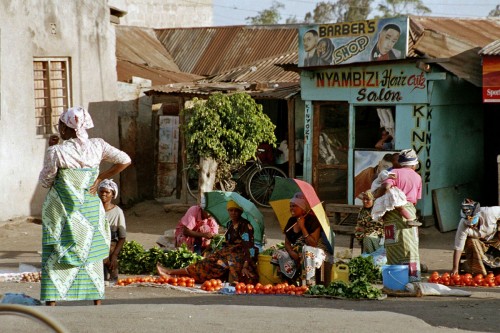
(469, 212)
(110, 185)
(233, 204)
(367, 194)
(408, 157)
(299, 199)
(79, 119)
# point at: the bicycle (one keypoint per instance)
(256, 180)
(31, 313)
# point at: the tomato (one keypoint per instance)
(497, 280)
(456, 278)
(478, 279)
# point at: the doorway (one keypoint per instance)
(330, 151)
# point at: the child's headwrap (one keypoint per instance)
(110, 185)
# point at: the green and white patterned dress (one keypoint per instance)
(76, 234)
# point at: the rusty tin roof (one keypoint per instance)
(491, 49)
(213, 50)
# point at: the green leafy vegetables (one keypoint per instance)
(135, 260)
(362, 273)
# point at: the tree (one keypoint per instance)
(339, 11)
(495, 12)
(223, 132)
(391, 8)
(267, 16)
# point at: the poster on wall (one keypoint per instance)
(168, 139)
(367, 166)
(350, 42)
(491, 79)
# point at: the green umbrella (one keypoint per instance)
(215, 204)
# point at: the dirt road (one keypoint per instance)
(151, 309)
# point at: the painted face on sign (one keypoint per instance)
(387, 39)
(310, 41)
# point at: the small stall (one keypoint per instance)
(375, 87)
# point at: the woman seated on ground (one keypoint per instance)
(236, 261)
(368, 232)
(302, 254)
(478, 233)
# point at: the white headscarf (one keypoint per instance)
(300, 200)
(408, 157)
(110, 185)
(79, 119)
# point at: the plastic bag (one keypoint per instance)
(435, 289)
(16, 298)
(379, 257)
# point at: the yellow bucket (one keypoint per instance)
(340, 272)
(268, 273)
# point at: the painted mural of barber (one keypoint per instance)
(384, 48)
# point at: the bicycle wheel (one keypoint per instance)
(260, 184)
(31, 313)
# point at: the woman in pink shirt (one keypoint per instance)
(401, 239)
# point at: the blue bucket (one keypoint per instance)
(395, 277)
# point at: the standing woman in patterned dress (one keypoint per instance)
(76, 234)
(401, 239)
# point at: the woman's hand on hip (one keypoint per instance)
(94, 187)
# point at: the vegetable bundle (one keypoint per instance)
(135, 260)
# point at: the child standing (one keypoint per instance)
(108, 190)
(394, 198)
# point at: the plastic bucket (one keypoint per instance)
(340, 272)
(268, 273)
(395, 277)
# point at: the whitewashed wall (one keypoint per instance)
(80, 30)
(165, 13)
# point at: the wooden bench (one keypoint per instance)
(341, 213)
(343, 219)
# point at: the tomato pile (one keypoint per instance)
(174, 281)
(478, 280)
(277, 289)
(211, 285)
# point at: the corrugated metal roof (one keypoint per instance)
(260, 71)
(198, 88)
(458, 39)
(491, 49)
(140, 46)
(126, 70)
(267, 91)
(280, 91)
(213, 50)
(478, 31)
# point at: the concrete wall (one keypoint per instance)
(137, 138)
(165, 13)
(79, 30)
